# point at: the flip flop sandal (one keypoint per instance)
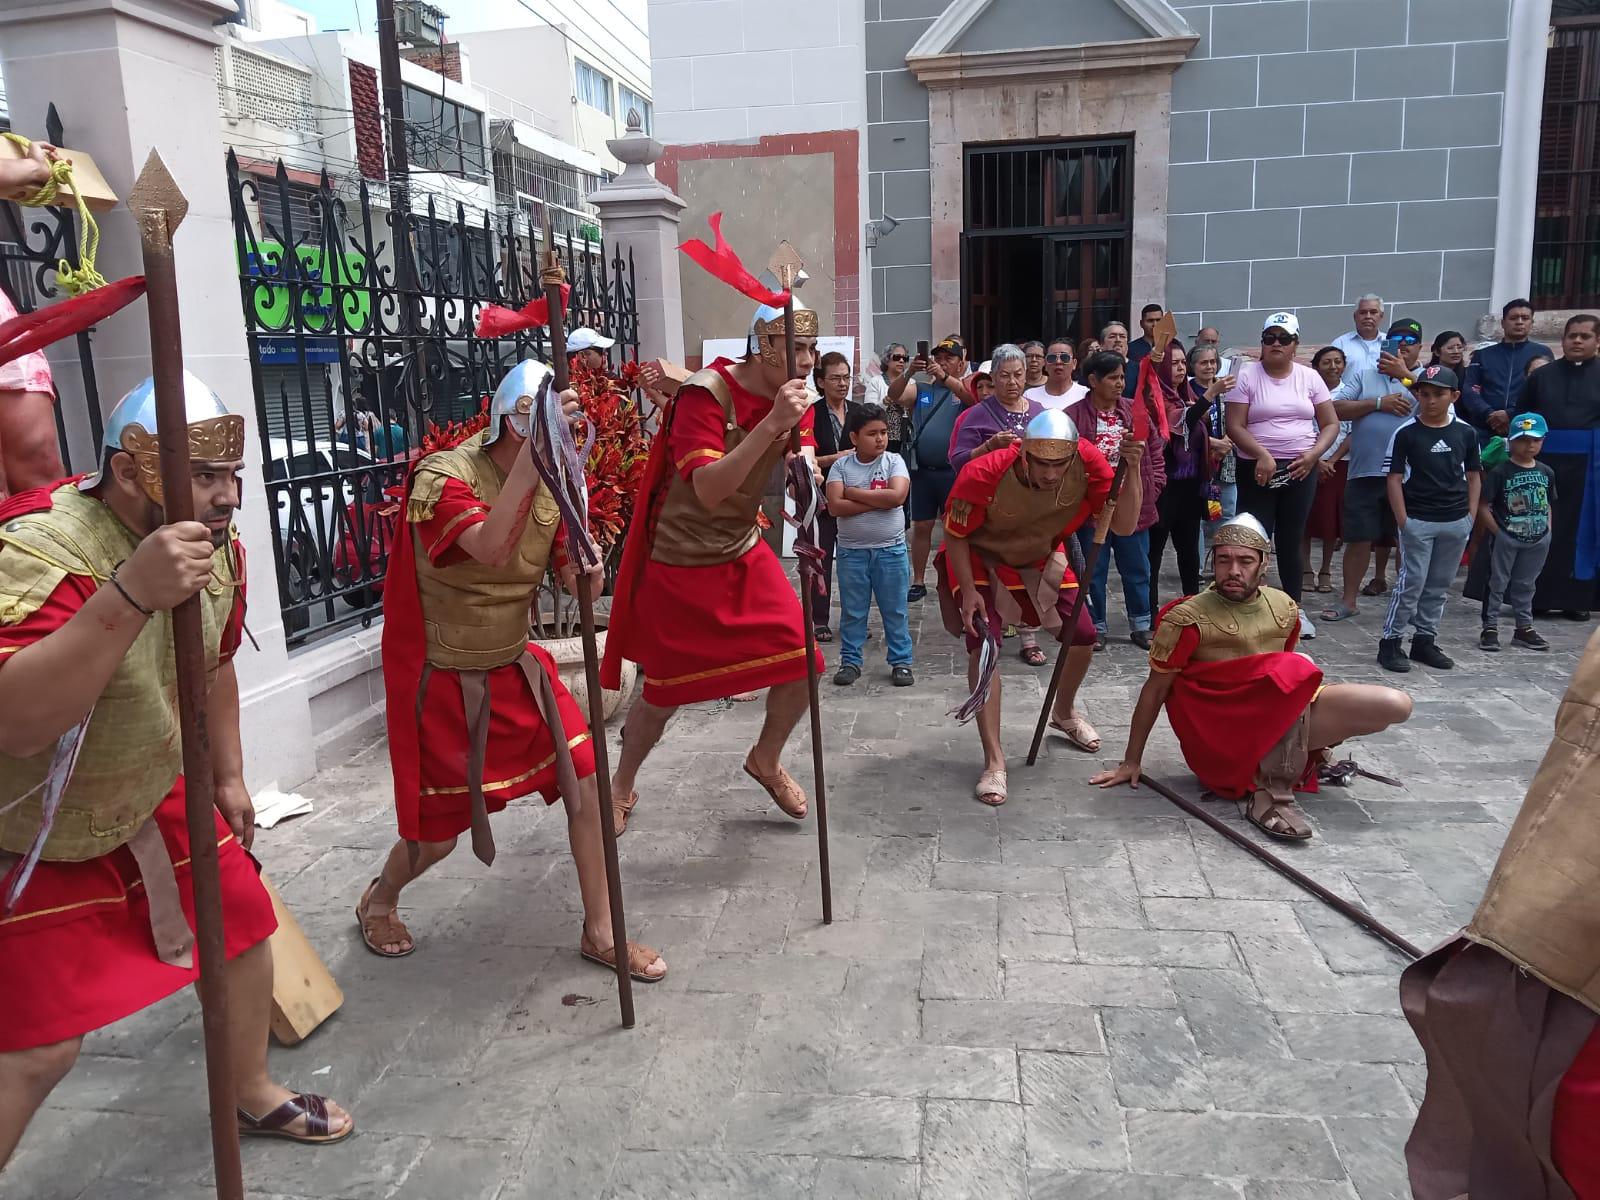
(639, 957)
(319, 1130)
(1282, 819)
(379, 931)
(1375, 588)
(622, 810)
(1324, 582)
(1080, 733)
(991, 783)
(1034, 656)
(785, 792)
(1338, 613)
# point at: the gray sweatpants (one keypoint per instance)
(1430, 555)
(1513, 572)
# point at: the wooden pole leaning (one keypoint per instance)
(551, 277)
(786, 266)
(159, 207)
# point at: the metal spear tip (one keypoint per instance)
(156, 191)
(786, 264)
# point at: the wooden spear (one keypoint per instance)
(159, 206)
(551, 277)
(786, 264)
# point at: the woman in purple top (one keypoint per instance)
(1281, 420)
(993, 423)
(1181, 508)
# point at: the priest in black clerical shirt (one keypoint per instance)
(1566, 393)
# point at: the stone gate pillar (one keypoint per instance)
(129, 77)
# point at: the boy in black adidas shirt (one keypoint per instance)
(1433, 488)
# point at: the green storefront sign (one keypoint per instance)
(274, 302)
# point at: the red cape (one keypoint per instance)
(1228, 714)
(625, 630)
(404, 649)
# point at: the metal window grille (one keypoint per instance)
(1047, 239)
(351, 367)
(1566, 237)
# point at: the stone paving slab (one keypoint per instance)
(1083, 994)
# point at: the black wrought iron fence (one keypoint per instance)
(355, 352)
(32, 242)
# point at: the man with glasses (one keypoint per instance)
(1376, 403)
(1362, 345)
(932, 411)
(1058, 389)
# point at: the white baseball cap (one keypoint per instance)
(584, 338)
(1285, 321)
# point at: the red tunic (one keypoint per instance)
(521, 753)
(702, 633)
(970, 497)
(77, 953)
(1576, 1118)
(1228, 714)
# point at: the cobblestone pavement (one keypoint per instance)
(1082, 994)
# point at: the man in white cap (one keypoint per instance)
(1253, 718)
(587, 348)
(91, 762)
(477, 715)
(1010, 510)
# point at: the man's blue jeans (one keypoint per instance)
(884, 574)
(1133, 564)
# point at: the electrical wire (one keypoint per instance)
(636, 82)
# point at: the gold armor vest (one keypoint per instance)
(1022, 524)
(1539, 908)
(475, 616)
(131, 752)
(1228, 630)
(687, 533)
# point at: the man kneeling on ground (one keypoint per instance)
(1253, 718)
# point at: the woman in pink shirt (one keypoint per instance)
(1281, 419)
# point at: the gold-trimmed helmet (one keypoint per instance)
(515, 398)
(215, 434)
(1051, 433)
(768, 322)
(1243, 530)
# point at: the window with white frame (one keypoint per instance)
(593, 87)
(630, 100)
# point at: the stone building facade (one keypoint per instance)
(1047, 166)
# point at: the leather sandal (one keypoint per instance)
(785, 792)
(1077, 730)
(640, 957)
(1277, 817)
(380, 931)
(991, 789)
(621, 810)
(314, 1108)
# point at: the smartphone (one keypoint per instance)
(1391, 345)
(1224, 367)
(922, 351)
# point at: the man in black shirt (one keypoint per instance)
(1433, 488)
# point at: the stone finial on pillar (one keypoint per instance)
(639, 215)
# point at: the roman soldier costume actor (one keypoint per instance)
(1009, 514)
(96, 902)
(477, 714)
(1507, 1010)
(1253, 717)
(701, 602)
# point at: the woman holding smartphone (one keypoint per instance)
(1281, 420)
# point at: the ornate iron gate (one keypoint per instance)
(352, 364)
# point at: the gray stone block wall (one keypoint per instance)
(1327, 148)
(1320, 149)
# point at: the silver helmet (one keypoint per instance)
(768, 322)
(215, 434)
(1243, 530)
(516, 398)
(1050, 432)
